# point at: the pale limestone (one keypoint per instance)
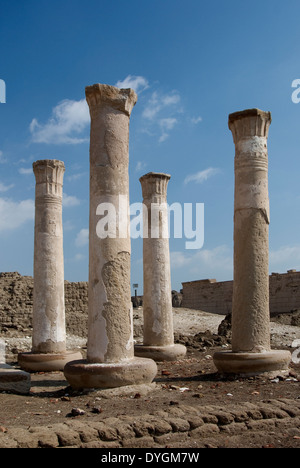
(251, 349)
(157, 301)
(110, 356)
(49, 328)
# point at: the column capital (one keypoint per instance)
(154, 184)
(49, 175)
(99, 95)
(249, 123)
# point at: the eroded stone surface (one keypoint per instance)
(250, 307)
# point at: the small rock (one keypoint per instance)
(97, 410)
(77, 412)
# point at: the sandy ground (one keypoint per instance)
(186, 321)
(190, 406)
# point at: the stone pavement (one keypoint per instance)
(180, 426)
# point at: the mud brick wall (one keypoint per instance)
(214, 297)
(16, 299)
(208, 295)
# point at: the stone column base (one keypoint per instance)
(84, 374)
(14, 380)
(249, 364)
(32, 362)
(161, 353)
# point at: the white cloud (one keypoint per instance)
(3, 160)
(24, 171)
(14, 214)
(82, 238)
(75, 177)
(68, 118)
(79, 257)
(166, 125)
(206, 263)
(137, 83)
(140, 166)
(70, 200)
(196, 120)
(201, 176)
(285, 258)
(159, 102)
(5, 188)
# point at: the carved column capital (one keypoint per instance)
(100, 95)
(249, 123)
(49, 175)
(154, 186)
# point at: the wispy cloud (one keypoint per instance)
(25, 171)
(206, 263)
(202, 176)
(5, 188)
(79, 257)
(75, 177)
(196, 120)
(140, 166)
(15, 214)
(285, 258)
(159, 102)
(159, 114)
(166, 126)
(3, 160)
(70, 201)
(138, 83)
(68, 120)
(82, 238)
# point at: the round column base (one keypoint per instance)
(33, 362)
(161, 353)
(249, 364)
(83, 374)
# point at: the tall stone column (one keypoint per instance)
(110, 358)
(251, 349)
(157, 300)
(49, 330)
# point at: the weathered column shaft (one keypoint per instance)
(110, 311)
(157, 300)
(251, 350)
(158, 339)
(110, 358)
(49, 333)
(250, 316)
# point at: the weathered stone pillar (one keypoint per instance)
(251, 350)
(157, 299)
(49, 330)
(110, 358)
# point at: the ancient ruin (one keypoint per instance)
(49, 350)
(190, 404)
(216, 296)
(251, 350)
(158, 314)
(110, 356)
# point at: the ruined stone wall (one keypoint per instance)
(214, 297)
(16, 299)
(208, 295)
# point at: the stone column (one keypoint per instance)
(251, 350)
(157, 299)
(110, 357)
(49, 330)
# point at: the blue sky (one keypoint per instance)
(192, 63)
